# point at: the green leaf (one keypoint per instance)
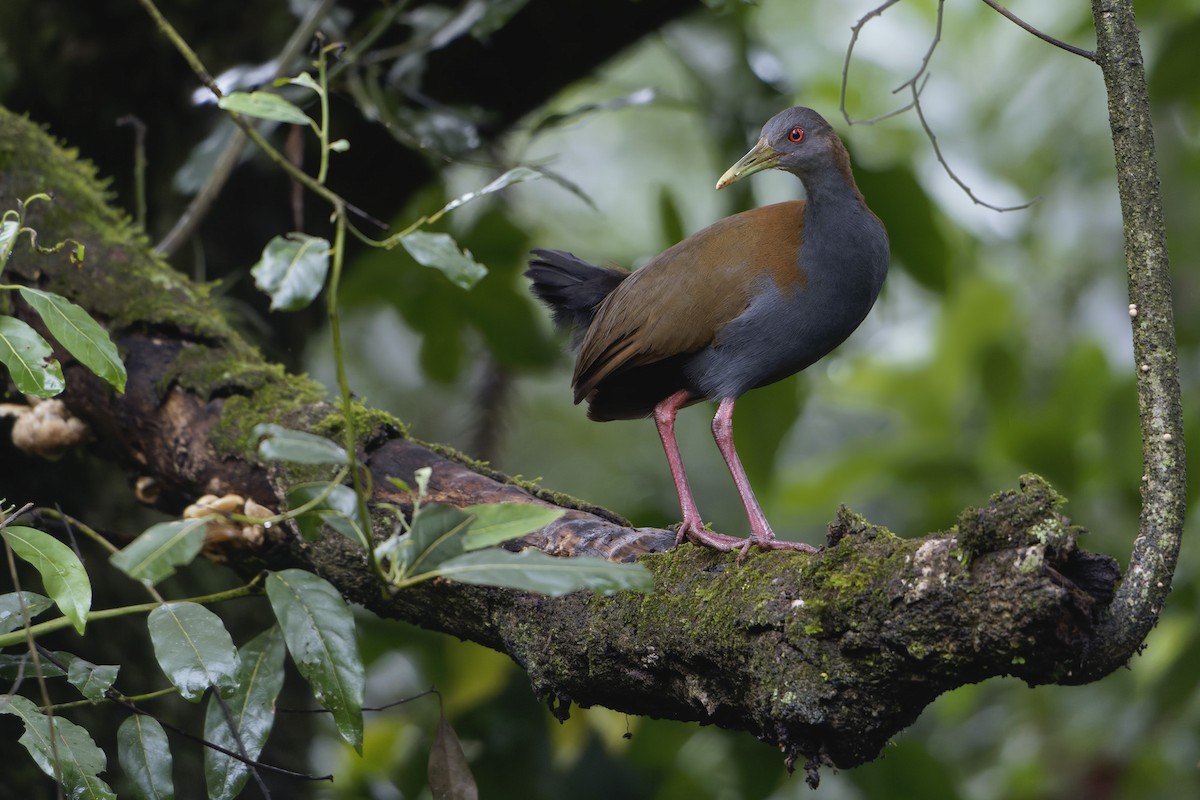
(292, 270)
(79, 759)
(281, 444)
(437, 534)
(12, 667)
(440, 251)
(303, 79)
(92, 680)
(193, 648)
(64, 577)
(29, 359)
(9, 228)
(145, 756)
(450, 775)
(515, 175)
(498, 522)
(318, 627)
(10, 608)
(81, 335)
(252, 707)
(265, 105)
(534, 571)
(154, 555)
(339, 510)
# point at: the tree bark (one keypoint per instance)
(1135, 610)
(825, 656)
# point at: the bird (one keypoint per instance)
(749, 300)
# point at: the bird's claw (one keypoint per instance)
(694, 531)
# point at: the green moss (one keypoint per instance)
(367, 421)
(117, 253)
(1018, 518)
(285, 400)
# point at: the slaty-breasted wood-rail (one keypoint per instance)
(749, 300)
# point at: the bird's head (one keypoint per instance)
(797, 140)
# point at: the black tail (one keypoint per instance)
(570, 286)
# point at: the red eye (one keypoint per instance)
(796, 135)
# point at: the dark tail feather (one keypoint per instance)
(570, 286)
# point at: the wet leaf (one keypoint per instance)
(194, 649)
(534, 571)
(29, 359)
(92, 680)
(319, 629)
(81, 335)
(499, 522)
(79, 760)
(292, 270)
(10, 608)
(280, 444)
(64, 577)
(154, 555)
(145, 756)
(441, 252)
(252, 706)
(265, 105)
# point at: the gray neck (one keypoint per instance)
(841, 233)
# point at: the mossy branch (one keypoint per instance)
(824, 656)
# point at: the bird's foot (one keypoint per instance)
(692, 529)
(719, 541)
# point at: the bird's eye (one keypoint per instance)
(796, 135)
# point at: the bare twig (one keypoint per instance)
(937, 151)
(855, 30)
(1011, 17)
(915, 85)
(6, 521)
(139, 166)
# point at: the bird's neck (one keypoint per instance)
(840, 232)
(832, 189)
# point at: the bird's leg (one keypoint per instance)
(692, 526)
(760, 529)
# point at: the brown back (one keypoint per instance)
(679, 302)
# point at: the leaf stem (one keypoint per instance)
(343, 380)
(16, 637)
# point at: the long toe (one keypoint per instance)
(782, 544)
(717, 541)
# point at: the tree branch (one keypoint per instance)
(1164, 484)
(1045, 37)
(824, 656)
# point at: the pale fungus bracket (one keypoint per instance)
(45, 428)
(238, 519)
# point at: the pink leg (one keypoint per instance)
(760, 529)
(692, 526)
